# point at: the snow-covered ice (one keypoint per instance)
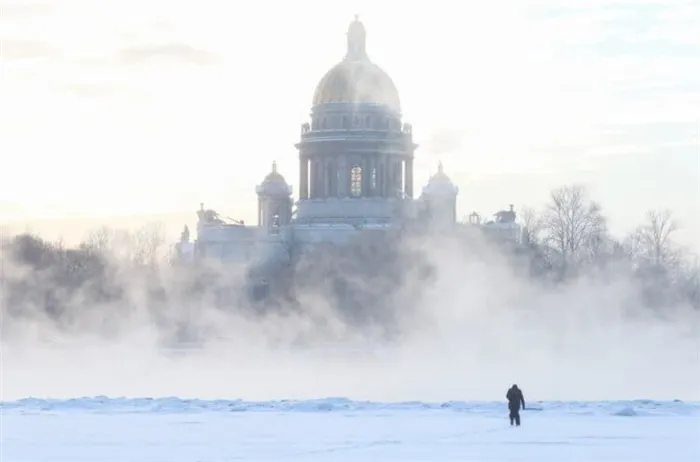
(178, 430)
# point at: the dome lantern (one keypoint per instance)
(356, 79)
(357, 37)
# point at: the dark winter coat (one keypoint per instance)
(515, 398)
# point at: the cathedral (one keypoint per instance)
(355, 174)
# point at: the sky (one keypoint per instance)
(121, 111)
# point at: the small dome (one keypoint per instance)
(440, 184)
(356, 79)
(274, 183)
(274, 176)
(440, 177)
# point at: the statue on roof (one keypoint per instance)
(185, 235)
(208, 216)
(506, 216)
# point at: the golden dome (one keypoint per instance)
(356, 79)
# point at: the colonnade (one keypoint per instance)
(355, 176)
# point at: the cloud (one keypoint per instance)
(444, 142)
(650, 134)
(23, 9)
(617, 28)
(90, 90)
(11, 49)
(616, 46)
(176, 51)
(680, 87)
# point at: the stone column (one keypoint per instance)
(384, 178)
(313, 194)
(409, 178)
(322, 174)
(398, 177)
(332, 171)
(333, 180)
(303, 177)
(365, 177)
(389, 184)
(368, 166)
(318, 166)
(343, 169)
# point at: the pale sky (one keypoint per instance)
(117, 108)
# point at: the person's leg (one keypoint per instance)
(511, 415)
(517, 418)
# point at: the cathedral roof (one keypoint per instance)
(356, 79)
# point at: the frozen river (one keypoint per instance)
(175, 430)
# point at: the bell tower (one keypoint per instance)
(439, 199)
(274, 201)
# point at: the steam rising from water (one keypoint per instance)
(468, 332)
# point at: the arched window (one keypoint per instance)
(356, 181)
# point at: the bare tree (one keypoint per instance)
(141, 247)
(691, 282)
(99, 240)
(146, 244)
(652, 242)
(573, 227)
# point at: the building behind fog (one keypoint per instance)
(356, 159)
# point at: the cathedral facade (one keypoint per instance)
(355, 174)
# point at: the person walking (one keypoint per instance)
(515, 399)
